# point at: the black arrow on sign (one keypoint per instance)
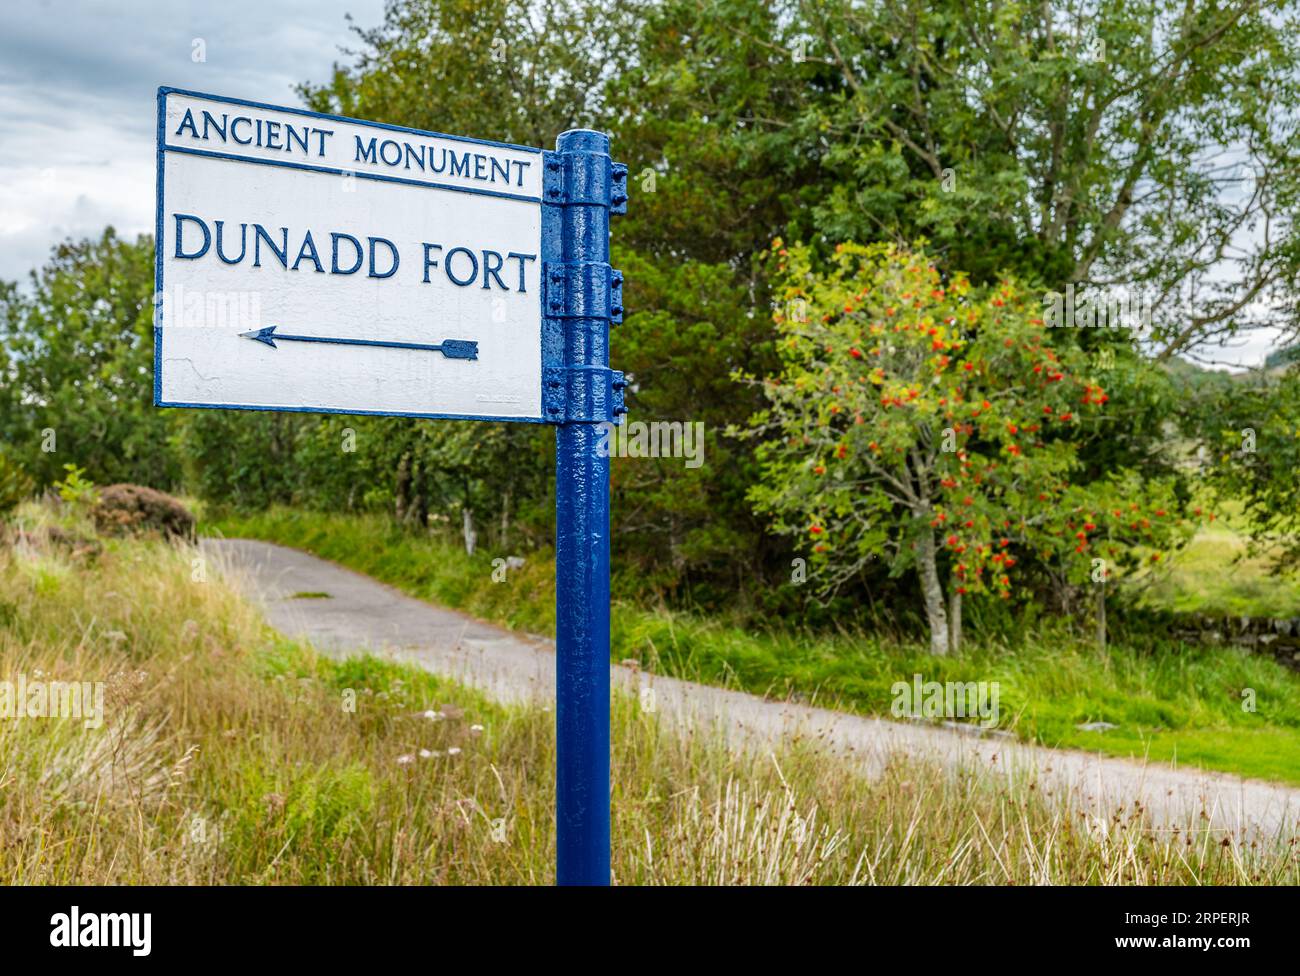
(450, 348)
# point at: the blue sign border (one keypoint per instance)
(549, 352)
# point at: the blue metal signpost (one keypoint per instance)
(491, 253)
(583, 295)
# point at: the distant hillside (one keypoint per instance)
(1190, 376)
(1193, 377)
(1281, 358)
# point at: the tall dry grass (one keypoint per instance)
(230, 756)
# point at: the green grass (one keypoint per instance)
(1215, 575)
(1169, 702)
(229, 755)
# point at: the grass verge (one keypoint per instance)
(228, 755)
(1168, 702)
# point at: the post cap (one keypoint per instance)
(582, 140)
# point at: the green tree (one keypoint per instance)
(710, 185)
(706, 199)
(248, 459)
(80, 346)
(933, 426)
(1100, 142)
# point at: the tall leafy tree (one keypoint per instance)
(1102, 142)
(935, 427)
(706, 198)
(80, 346)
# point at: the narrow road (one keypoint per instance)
(362, 614)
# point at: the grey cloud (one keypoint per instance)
(77, 89)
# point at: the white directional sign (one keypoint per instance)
(311, 262)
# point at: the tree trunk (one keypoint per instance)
(401, 487)
(417, 510)
(932, 591)
(1101, 615)
(954, 621)
(467, 529)
(505, 519)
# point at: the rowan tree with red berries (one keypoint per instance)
(934, 425)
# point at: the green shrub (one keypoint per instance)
(77, 491)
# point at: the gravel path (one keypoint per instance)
(362, 614)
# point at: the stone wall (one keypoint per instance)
(1264, 635)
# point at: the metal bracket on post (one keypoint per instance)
(581, 296)
(585, 290)
(587, 294)
(584, 177)
(587, 394)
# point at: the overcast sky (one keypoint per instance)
(78, 83)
